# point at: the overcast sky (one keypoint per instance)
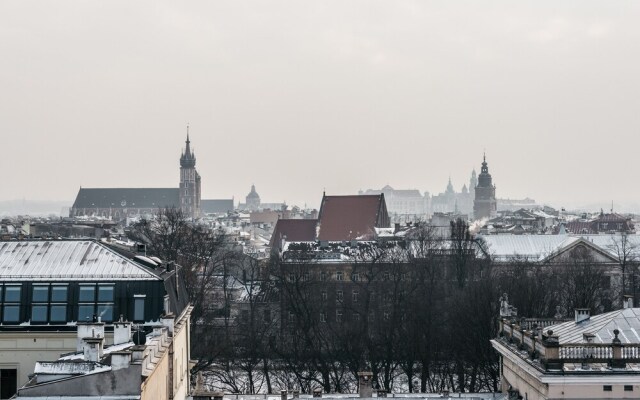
(301, 96)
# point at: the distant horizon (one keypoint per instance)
(301, 97)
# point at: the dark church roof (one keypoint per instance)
(216, 206)
(295, 230)
(127, 198)
(352, 217)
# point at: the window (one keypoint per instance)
(96, 300)
(324, 295)
(323, 317)
(49, 303)
(628, 388)
(291, 316)
(292, 277)
(305, 277)
(8, 383)
(11, 305)
(387, 276)
(355, 277)
(386, 315)
(138, 307)
(607, 388)
(323, 276)
(354, 296)
(339, 295)
(339, 276)
(338, 315)
(356, 316)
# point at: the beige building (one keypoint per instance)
(48, 288)
(154, 366)
(586, 358)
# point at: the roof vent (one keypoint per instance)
(582, 314)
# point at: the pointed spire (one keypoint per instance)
(188, 158)
(188, 142)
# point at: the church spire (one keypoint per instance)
(188, 158)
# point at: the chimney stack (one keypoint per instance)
(88, 329)
(92, 348)
(628, 301)
(582, 314)
(120, 360)
(365, 387)
(121, 331)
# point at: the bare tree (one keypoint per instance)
(626, 253)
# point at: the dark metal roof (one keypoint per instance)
(127, 198)
(295, 230)
(352, 217)
(216, 205)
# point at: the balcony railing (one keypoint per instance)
(529, 336)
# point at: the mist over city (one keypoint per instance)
(286, 200)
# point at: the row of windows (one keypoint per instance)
(609, 388)
(49, 303)
(340, 316)
(340, 276)
(355, 295)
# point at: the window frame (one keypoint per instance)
(98, 305)
(12, 303)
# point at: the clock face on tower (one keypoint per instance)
(123, 203)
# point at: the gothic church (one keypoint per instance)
(120, 203)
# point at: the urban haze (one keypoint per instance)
(336, 96)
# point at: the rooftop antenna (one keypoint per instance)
(611, 206)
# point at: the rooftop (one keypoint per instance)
(67, 260)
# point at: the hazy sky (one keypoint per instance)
(298, 96)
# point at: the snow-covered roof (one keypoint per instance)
(627, 321)
(539, 247)
(67, 260)
(107, 350)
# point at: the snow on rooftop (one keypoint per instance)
(67, 260)
(106, 351)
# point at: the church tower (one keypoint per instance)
(473, 182)
(189, 182)
(485, 205)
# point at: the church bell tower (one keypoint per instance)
(189, 182)
(485, 204)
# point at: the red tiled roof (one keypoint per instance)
(580, 227)
(613, 217)
(345, 218)
(296, 230)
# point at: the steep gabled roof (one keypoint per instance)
(351, 217)
(127, 198)
(67, 260)
(295, 230)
